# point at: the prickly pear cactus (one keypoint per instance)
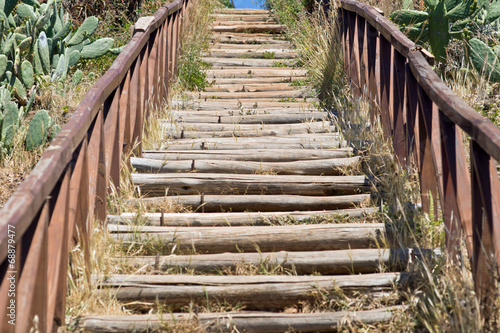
(77, 77)
(485, 59)
(88, 27)
(38, 130)
(97, 48)
(9, 124)
(27, 74)
(3, 64)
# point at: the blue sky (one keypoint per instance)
(246, 3)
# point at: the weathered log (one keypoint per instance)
(352, 261)
(250, 28)
(254, 87)
(257, 119)
(237, 104)
(251, 322)
(286, 138)
(311, 167)
(249, 54)
(264, 155)
(254, 296)
(243, 17)
(253, 47)
(234, 219)
(256, 238)
(249, 63)
(276, 94)
(277, 111)
(241, 11)
(235, 38)
(258, 203)
(212, 145)
(217, 129)
(214, 183)
(176, 133)
(261, 80)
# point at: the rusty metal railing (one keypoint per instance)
(426, 122)
(57, 203)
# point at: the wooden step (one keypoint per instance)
(256, 203)
(250, 322)
(286, 138)
(264, 155)
(255, 87)
(243, 143)
(242, 38)
(238, 104)
(239, 20)
(311, 167)
(262, 80)
(249, 63)
(253, 293)
(250, 28)
(243, 17)
(289, 118)
(216, 183)
(253, 47)
(252, 54)
(188, 132)
(235, 219)
(247, 94)
(354, 261)
(242, 11)
(281, 72)
(242, 111)
(255, 238)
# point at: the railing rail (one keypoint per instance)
(426, 122)
(66, 191)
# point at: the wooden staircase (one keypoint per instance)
(281, 236)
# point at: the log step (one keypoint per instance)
(255, 238)
(253, 47)
(250, 28)
(235, 219)
(241, 111)
(243, 17)
(256, 203)
(248, 39)
(264, 155)
(214, 183)
(232, 62)
(249, 88)
(251, 322)
(291, 118)
(185, 133)
(312, 167)
(354, 261)
(237, 104)
(242, 11)
(255, 293)
(247, 94)
(252, 54)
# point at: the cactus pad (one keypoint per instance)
(26, 12)
(38, 130)
(409, 17)
(7, 6)
(43, 52)
(3, 64)
(87, 28)
(77, 77)
(485, 60)
(97, 48)
(27, 74)
(10, 122)
(439, 35)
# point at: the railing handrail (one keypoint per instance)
(426, 119)
(483, 131)
(57, 202)
(26, 202)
